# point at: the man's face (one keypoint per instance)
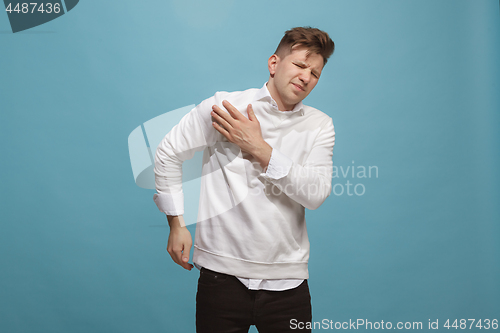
(294, 76)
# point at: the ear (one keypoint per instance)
(271, 64)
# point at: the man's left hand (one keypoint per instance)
(245, 133)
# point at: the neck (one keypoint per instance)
(276, 96)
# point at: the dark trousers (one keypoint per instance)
(225, 305)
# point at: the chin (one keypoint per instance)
(296, 99)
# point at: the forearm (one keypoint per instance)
(308, 183)
(168, 180)
(177, 146)
(262, 154)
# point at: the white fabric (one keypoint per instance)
(263, 284)
(251, 221)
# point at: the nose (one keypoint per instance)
(305, 76)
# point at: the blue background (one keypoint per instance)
(412, 88)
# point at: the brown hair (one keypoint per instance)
(315, 40)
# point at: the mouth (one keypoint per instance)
(299, 87)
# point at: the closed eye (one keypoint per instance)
(301, 65)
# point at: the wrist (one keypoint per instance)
(175, 221)
(262, 153)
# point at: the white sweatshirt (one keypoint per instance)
(251, 223)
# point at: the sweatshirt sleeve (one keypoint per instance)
(193, 133)
(308, 184)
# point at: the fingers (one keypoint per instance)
(185, 258)
(232, 113)
(222, 130)
(223, 122)
(181, 257)
(174, 254)
(251, 114)
(222, 117)
(232, 110)
(179, 246)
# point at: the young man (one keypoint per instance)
(266, 158)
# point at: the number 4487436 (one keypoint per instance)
(469, 324)
(33, 7)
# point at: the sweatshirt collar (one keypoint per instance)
(264, 95)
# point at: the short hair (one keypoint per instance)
(315, 40)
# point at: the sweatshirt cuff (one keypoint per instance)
(279, 166)
(170, 204)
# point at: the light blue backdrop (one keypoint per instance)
(412, 88)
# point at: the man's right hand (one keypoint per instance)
(179, 242)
